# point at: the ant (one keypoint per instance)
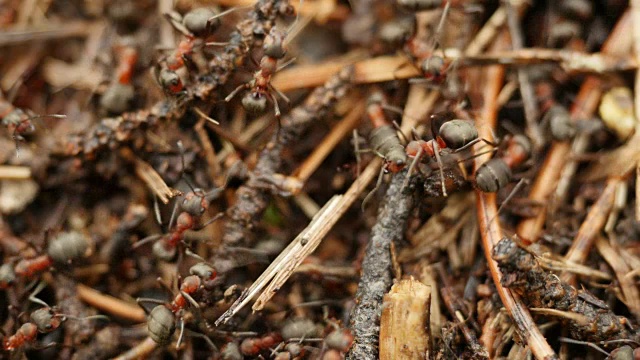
(118, 96)
(18, 121)
(496, 173)
(454, 134)
(161, 322)
(193, 206)
(43, 320)
(194, 25)
(255, 101)
(253, 346)
(64, 248)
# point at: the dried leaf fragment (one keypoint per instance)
(616, 110)
(404, 321)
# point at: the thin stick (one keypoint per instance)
(13, 172)
(338, 132)
(110, 304)
(487, 210)
(339, 207)
(140, 351)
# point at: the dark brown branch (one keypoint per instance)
(253, 197)
(377, 276)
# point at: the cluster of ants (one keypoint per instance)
(453, 132)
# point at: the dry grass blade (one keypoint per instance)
(339, 205)
(11, 172)
(150, 177)
(111, 305)
(621, 269)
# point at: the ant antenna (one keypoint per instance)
(156, 210)
(436, 150)
(182, 151)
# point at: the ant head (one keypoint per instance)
(162, 252)
(201, 21)
(274, 44)
(161, 324)
(7, 275)
(203, 271)
(458, 133)
(46, 319)
(254, 102)
(171, 82)
(195, 203)
(68, 246)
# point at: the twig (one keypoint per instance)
(10, 172)
(376, 269)
(110, 305)
(531, 111)
(253, 197)
(47, 32)
(556, 160)
(140, 351)
(150, 177)
(590, 228)
(311, 235)
(621, 269)
(339, 131)
(491, 231)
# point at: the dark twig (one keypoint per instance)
(110, 132)
(377, 275)
(539, 289)
(253, 197)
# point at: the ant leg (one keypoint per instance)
(148, 239)
(473, 142)
(172, 219)
(156, 210)
(209, 222)
(415, 161)
(182, 151)
(236, 91)
(399, 130)
(280, 93)
(356, 146)
(436, 151)
(372, 192)
(181, 334)
(175, 21)
(287, 63)
(203, 337)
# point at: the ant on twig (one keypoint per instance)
(119, 95)
(449, 133)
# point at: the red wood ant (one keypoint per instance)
(44, 320)
(18, 121)
(255, 101)
(161, 322)
(118, 96)
(253, 346)
(496, 173)
(64, 248)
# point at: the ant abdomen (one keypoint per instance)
(385, 141)
(457, 133)
(68, 246)
(254, 102)
(274, 44)
(161, 324)
(164, 251)
(493, 175)
(201, 21)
